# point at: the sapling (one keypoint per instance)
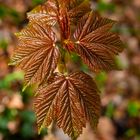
(56, 29)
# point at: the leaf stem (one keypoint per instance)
(62, 63)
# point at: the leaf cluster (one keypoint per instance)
(56, 27)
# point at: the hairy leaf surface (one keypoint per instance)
(95, 43)
(50, 11)
(77, 9)
(71, 101)
(36, 53)
(46, 12)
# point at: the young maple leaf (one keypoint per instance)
(36, 53)
(70, 104)
(46, 12)
(96, 45)
(50, 11)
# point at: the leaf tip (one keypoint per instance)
(11, 64)
(17, 34)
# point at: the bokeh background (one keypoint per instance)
(120, 90)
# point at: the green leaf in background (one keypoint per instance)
(3, 44)
(28, 116)
(75, 57)
(130, 133)
(133, 109)
(27, 130)
(110, 110)
(3, 123)
(84, 67)
(14, 15)
(36, 2)
(27, 94)
(6, 12)
(3, 12)
(7, 116)
(101, 79)
(7, 81)
(103, 6)
(10, 113)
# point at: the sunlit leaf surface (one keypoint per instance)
(95, 43)
(36, 53)
(71, 101)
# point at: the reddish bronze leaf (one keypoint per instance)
(64, 23)
(96, 45)
(49, 11)
(71, 3)
(36, 53)
(78, 9)
(71, 101)
(46, 12)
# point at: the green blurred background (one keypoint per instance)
(120, 90)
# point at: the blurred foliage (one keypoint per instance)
(36, 2)
(101, 79)
(133, 109)
(17, 121)
(102, 6)
(110, 110)
(6, 12)
(8, 79)
(3, 44)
